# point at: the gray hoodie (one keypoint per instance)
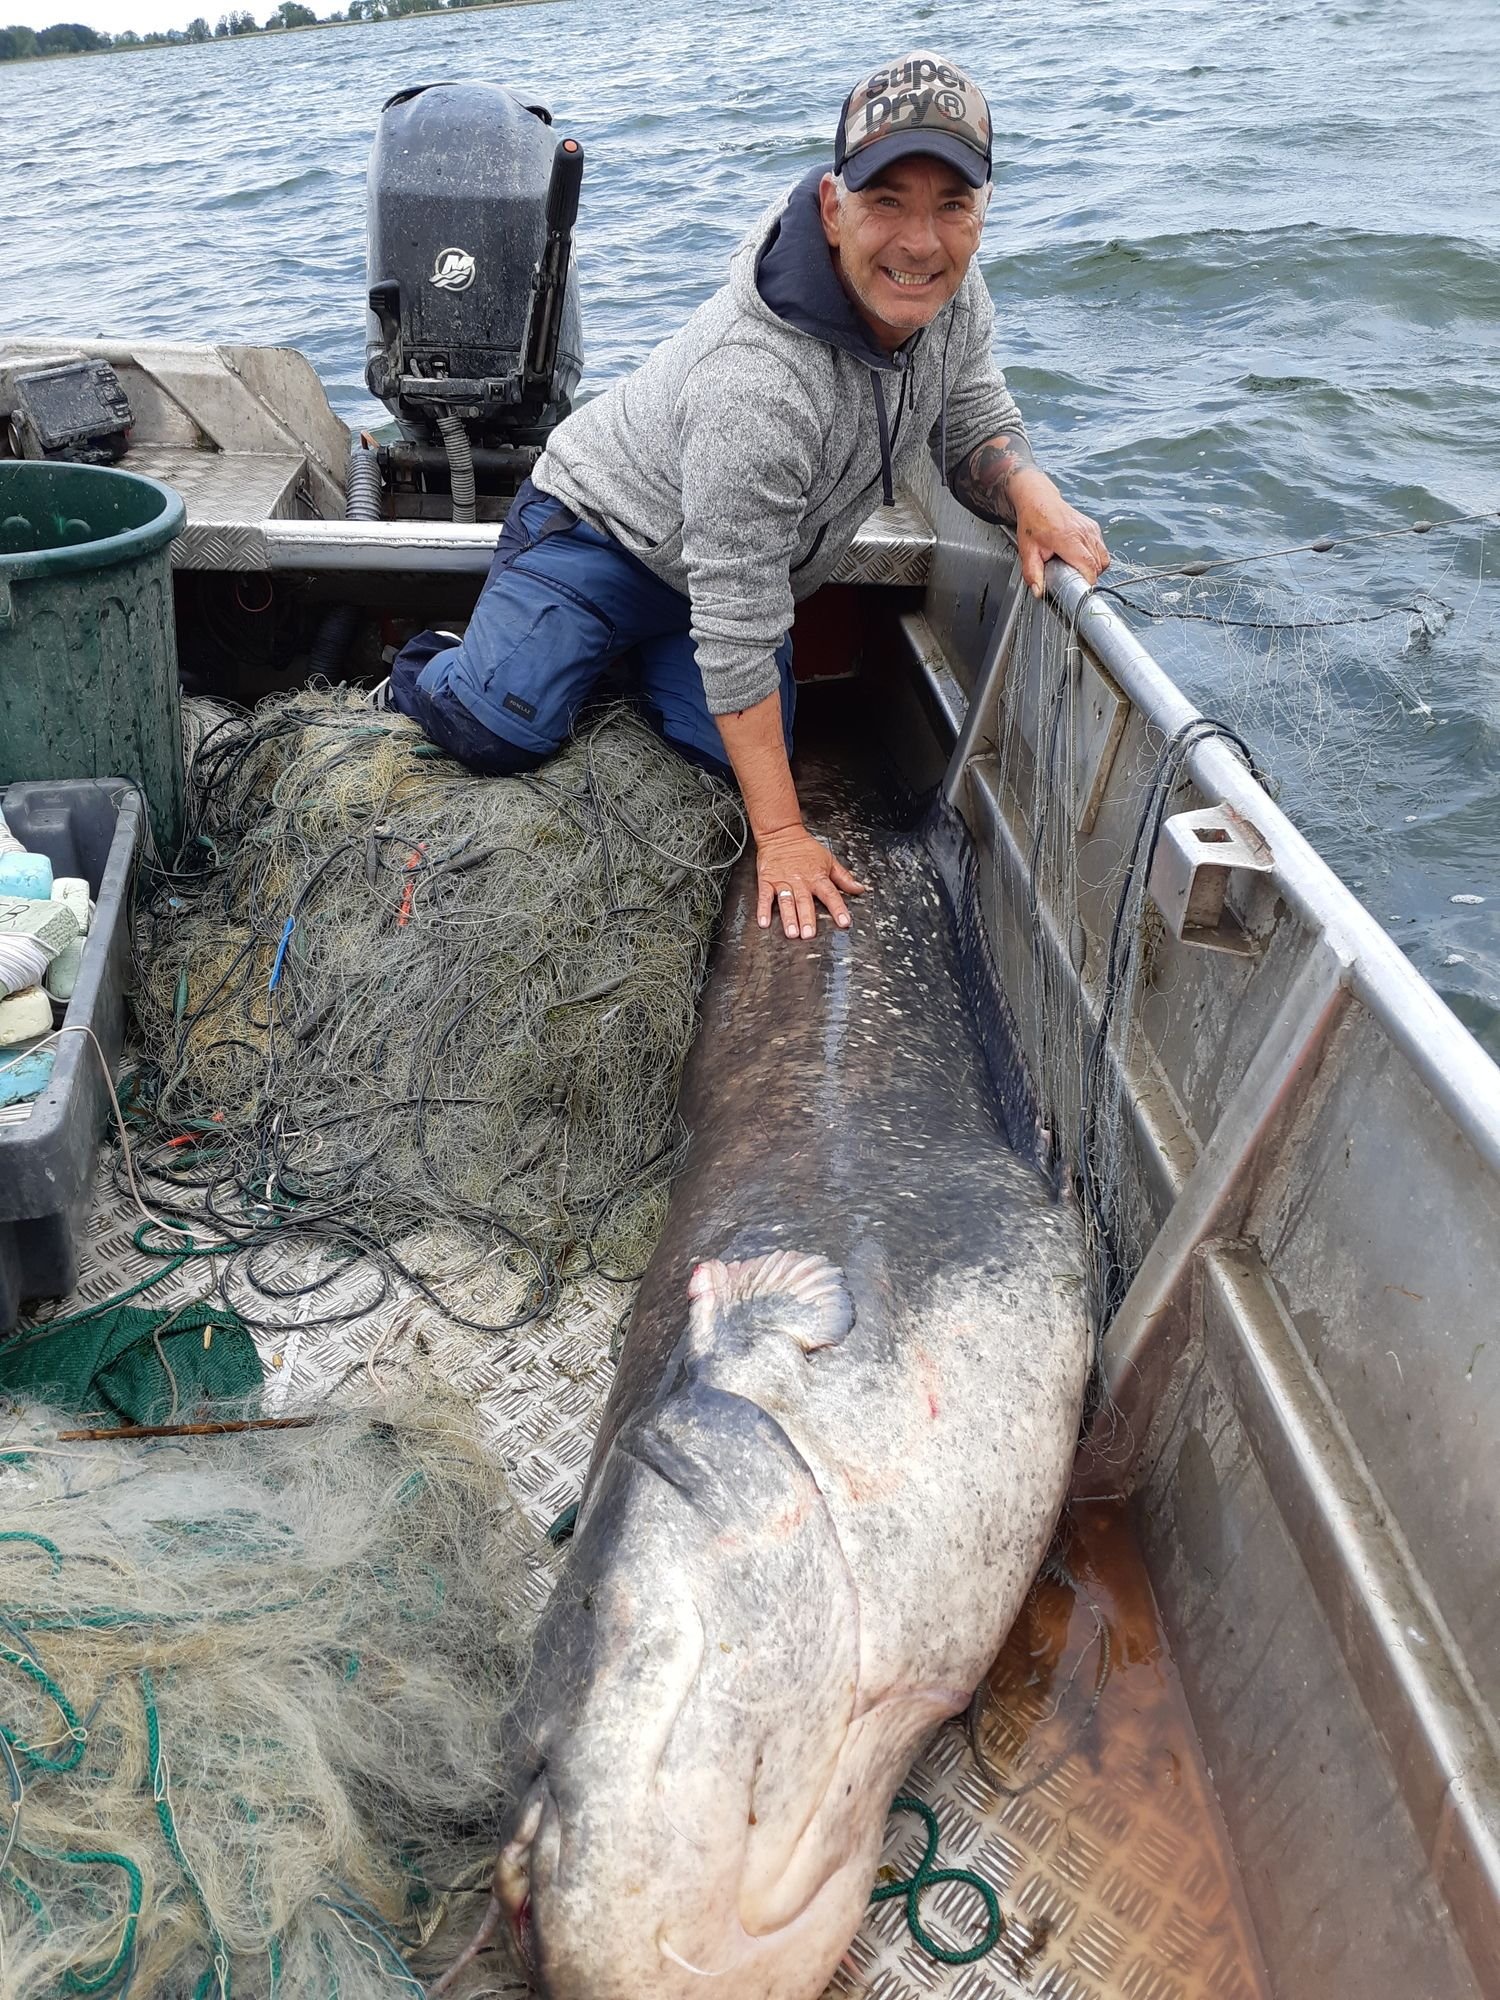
(740, 458)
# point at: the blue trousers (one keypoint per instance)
(560, 604)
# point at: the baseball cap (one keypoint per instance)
(920, 103)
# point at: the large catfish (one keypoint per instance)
(834, 1454)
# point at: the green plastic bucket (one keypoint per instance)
(88, 642)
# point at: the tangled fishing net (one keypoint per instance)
(382, 996)
(1327, 692)
(1075, 1055)
(252, 1689)
(1088, 945)
(1330, 687)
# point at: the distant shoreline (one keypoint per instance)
(262, 34)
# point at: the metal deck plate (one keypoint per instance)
(1110, 1871)
(227, 494)
(246, 512)
(1110, 1863)
(893, 546)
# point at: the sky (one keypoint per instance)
(145, 16)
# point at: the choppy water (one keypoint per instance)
(1246, 261)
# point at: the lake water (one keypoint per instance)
(1246, 264)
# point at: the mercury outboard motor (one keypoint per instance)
(474, 342)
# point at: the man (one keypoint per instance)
(683, 513)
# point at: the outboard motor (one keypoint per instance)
(474, 342)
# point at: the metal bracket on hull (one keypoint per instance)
(1196, 855)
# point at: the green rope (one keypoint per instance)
(30, 1898)
(926, 1876)
(90, 1982)
(187, 1248)
(219, 1969)
(34, 1671)
(40, 1541)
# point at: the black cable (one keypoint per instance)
(1165, 777)
(1117, 592)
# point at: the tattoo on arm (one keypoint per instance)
(982, 482)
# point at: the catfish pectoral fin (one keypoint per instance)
(797, 1294)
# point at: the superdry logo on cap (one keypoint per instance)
(920, 104)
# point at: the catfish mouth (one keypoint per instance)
(513, 1870)
(528, 1870)
(521, 1933)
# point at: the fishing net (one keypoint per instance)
(387, 1003)
(251, 1688)
(1330, 698)
(1077, 1047)
(1330, 686)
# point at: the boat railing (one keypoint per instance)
(1299, 1371)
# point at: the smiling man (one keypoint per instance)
(682, 514)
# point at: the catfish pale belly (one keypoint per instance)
(833, 1457)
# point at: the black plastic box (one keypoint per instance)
(89, 827)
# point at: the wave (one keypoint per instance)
(1309, 256)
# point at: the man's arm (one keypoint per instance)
(794, 870)
(749, 459)
(1000, 480)
(982, 482)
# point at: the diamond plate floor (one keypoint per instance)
(1110, 1863)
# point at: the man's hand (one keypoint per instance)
(794, 873)
(795, 870)
(1047, 526)
(1001, 481)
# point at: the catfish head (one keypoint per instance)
(695, 1810)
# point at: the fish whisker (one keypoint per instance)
(677, 1959)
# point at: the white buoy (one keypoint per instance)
(62, 973)
(24, 1016)
(73, 892)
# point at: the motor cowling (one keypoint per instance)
(473, 292)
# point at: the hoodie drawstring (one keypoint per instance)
(887, 484)
(943, 407)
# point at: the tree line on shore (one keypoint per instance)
(67, 38)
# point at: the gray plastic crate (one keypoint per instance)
(89, 827)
